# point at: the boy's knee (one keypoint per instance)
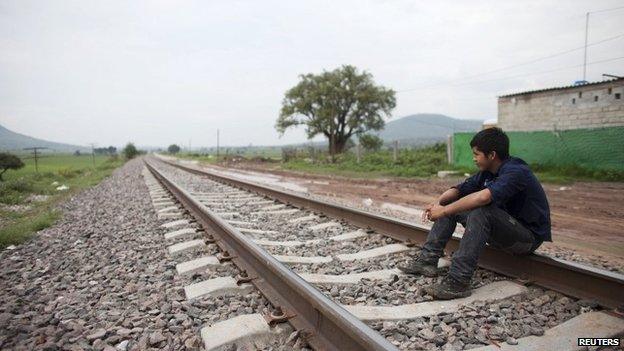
(481, 212)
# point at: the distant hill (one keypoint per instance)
(11, 141)
(420, 129)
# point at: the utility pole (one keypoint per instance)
(35, 152)
(217, 144)
(93, 154)
(585, 54)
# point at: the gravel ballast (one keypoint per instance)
(102, 279)
(474, 325)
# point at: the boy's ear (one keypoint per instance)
(492, 155)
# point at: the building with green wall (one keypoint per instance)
(581, 125)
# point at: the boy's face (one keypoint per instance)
(481, 160)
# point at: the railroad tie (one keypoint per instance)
(242, 330)
(293, 243)
(494, 291)
(565, 335)
(216, 287)
(277, 212)
(197, 264)
(376, 252)
(174, 224)
(303, 219)
(355, 278)
(319, 227)
(180, 232)
(185, 246)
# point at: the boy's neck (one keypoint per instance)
(496, 163)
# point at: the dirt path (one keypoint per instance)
(587, 217)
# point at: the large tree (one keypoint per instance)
(173, 149)
(338, 104)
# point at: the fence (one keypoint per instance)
(595, 149)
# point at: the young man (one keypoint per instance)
(502, 205)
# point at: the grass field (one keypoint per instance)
(420, 162)
(28, 197)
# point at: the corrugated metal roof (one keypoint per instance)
(562, 88)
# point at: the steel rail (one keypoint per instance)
(324, 324)
(567, 277)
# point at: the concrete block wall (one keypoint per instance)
(582, 107)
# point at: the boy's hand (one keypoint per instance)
(436, 212)
(427, 212)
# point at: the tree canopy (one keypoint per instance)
(173, 149)
(337, 104)
(9, 161)
(130, 151)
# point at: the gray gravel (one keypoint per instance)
(98, 278)
(400, 290)
(474, 325)
(101, 279)
(482, 322)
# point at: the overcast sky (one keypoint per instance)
(161, 72)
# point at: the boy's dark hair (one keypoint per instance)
(492, 139)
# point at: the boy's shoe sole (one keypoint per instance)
(415, 267)
(441, 292)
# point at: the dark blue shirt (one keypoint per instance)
(516, 190)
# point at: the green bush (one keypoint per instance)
(69, 172)
(19, 184)
(130, 151)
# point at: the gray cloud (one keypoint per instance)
(164, 72)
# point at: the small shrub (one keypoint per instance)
(9, 161)
(19, 185)
(130, 151)
(68, 172)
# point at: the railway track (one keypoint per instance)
(330, 272)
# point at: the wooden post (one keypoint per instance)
(358, 152)
(396, 150)
(449, 149)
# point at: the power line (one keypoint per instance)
(527, 74)
(605, 10)
(515, 65)
(542, 72)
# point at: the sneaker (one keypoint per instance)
(419, 266)
(449, 289)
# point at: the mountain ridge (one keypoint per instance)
(425, 128)
(13, 141)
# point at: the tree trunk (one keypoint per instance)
(332, 148)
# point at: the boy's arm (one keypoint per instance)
(468, 186)
(466, 203)
(448, 196)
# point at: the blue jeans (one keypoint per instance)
(488, 224)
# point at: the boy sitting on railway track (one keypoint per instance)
(502, 205)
